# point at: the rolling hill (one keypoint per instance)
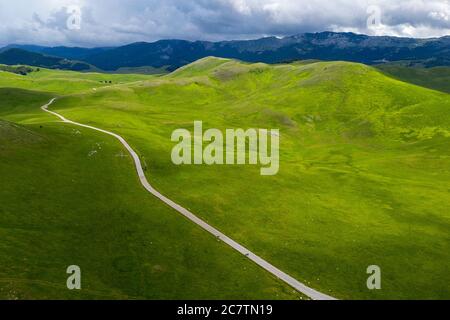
(71, 53)
(70, 196)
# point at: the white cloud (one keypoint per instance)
(113, 22)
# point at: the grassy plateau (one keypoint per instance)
(364, 180)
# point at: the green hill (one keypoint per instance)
(363, 178)
(60, 82)
(70, 196)
(437, 78)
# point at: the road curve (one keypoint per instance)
(311, 293)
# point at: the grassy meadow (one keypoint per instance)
(62, 82)
(364, 179)
(70, 196)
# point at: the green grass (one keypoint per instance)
(71, 196)
(437, 78)
(61, 82)
(363, 178)
(141, 70)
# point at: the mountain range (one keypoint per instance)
(172, 54)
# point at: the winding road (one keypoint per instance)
(311, 293)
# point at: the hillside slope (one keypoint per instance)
(70, 196)
(363, 178)
(437, 78)
(60, 82)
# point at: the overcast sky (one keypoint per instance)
(115, 22)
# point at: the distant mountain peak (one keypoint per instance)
(327, 45)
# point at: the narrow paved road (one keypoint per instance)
(313, 294)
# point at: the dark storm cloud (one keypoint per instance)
(112, 22)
